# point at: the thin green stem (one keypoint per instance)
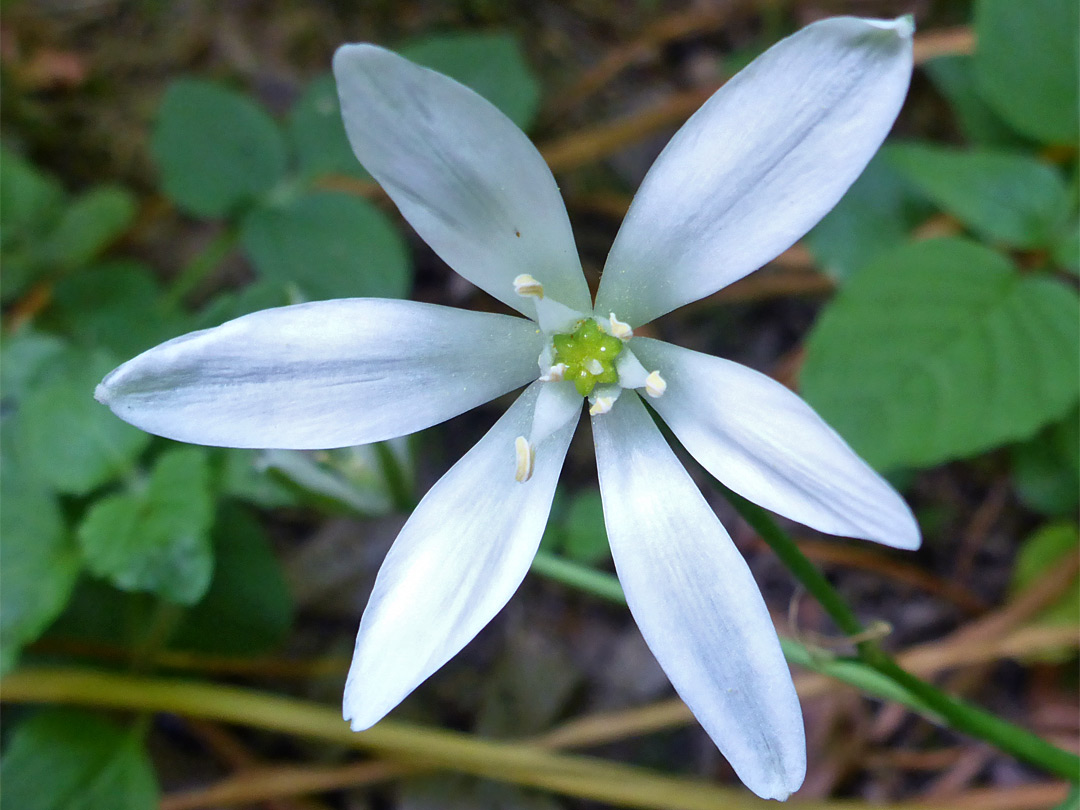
(397, 483)
(202, 265)
(581, 577)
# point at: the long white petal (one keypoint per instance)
(325, 374)
(758, 165)
(697, 604)
(764, 442)
(460, 557)
(467, 179)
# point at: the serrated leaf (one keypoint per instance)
(491, 64)
(1046, 469)
(216, 148)
(940, 350)
(248, 608)
(585, 539)
(1004, 197)
(954, 77)
(875, 214)
(71, 441)
(1026, 64)
(40, 561)
(117, 305)
(1048, 547)
(329, 245)
(157, 540)
(88, 225)
(318, 134)
(61, 759)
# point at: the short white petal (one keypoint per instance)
(463, 175)
(758, 165)
(460, 557)
(697, 604)
(764, 442)
(324, 374)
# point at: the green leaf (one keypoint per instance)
(26, 357)
(491, 64)
(1048, 547)
(71, 441)
(318, 134)
(586, 536)
(30, 201)
(118, 305)
(248, 608)
(40, 561)
(1005, 198)
(89, 225)
(954, 77)
(329, 245)
(157, 540)
(252, 298)
(1066, 251)
(939, 350)
(875, 215)
(1046, 470)
(61, 759)
(216, 148)
(1027, 62)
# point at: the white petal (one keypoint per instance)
(697, 604)
(324, 374)
(764, 442)
(463, 175)
(758, 165)
(460, 557)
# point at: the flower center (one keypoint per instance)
(589, 356)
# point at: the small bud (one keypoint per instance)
(528, 287)
(655, 385)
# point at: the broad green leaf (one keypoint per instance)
(586, 536)
(328, 245)
(229, 305)
(875, 214)
(940, 350)
(89, 225)
(1046, 469)
(318, 134)
(71, 441)
(248, 608)
(62, 759)
(1048, 547)
(30, 202)
(157, 540)
(954, 77)
(40, 561)
(1026, 64)
(1004, 197)
(118, 305)
(25, 360)
(491, 64)
(216, 148)
(1066, 251)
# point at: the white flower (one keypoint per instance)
(762, 161)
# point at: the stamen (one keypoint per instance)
(594, 367)
(655, 385)
(601, 406)
(526, 459)
(557, 373)
(620, 329)
(528, 287)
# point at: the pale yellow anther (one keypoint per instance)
(620, 329)
(601, 406)
(655, 385)
(557, 373)
(594, 366)
(526, 458)
(528, 287)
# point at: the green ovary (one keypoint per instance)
(589, 347)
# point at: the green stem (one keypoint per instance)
(202, 265)
(952, 712)
(581, 577)
(397, 484)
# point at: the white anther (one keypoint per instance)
(601, 406)
(594, 367)
(620, 329)
(655, 385)
(528, 287)
(526, 458)
(557, 373)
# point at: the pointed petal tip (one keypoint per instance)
(903, 26)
